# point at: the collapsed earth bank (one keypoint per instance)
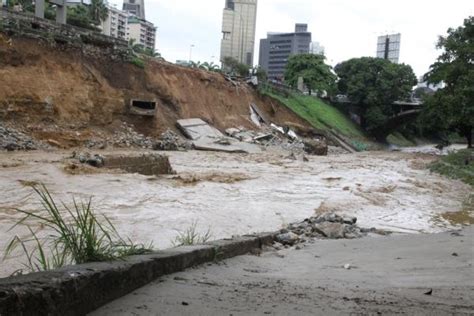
(65, 97)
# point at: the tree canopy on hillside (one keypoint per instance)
(233, 66)
(373, 84)
(452, 108)
(316, 74)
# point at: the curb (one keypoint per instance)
(79, 289)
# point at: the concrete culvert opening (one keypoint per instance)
(142, 107)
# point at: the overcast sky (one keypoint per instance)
(347, 28)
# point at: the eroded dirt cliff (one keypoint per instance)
(64, 97)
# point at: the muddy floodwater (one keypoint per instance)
(235, 194)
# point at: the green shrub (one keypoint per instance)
(140, 63)
(458, 165)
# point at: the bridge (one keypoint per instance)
(407, 111)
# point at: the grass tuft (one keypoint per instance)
(76, 235)
(190, 236)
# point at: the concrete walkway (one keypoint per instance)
(387, 275)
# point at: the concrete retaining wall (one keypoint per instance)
(146, 164)
(77, 290)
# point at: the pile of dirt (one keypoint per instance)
(70, 100)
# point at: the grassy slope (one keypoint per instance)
(459, 165)
(321, 115)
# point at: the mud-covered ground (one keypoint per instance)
(410, 275)
(233, 194)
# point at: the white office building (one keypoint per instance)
(238, 30)
(116, 23)
(142, 31)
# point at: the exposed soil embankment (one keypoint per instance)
(65, 98)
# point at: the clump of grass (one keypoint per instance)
(140, 63)
(77, 235)
(190, 236)
(457, 165)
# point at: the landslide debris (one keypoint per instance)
(12, 139)
(324, 226)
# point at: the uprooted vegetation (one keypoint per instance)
(74, 235)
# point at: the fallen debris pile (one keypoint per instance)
(124, 137)
(171, 141)
(330, 226)
(12, 139)
(280, 137)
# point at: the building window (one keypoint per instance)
(226, 35)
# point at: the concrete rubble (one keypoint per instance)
(277, 136)
(11, 139)
(171, 141)
(124, 137)
(326, 226)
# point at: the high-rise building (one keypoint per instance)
(116, 23)
(135, 7)
(142, 31)
(388, 47)
(278, 47)
(238, 30)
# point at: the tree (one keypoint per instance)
(79, 16)
(232, 65)
(98, 11)
(372, 85)
(452, 108)
(316, 74)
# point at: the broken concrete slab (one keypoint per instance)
(206, 137)
(196, 128)
(260, 113)
(210, 144)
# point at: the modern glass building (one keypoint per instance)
(278, 47)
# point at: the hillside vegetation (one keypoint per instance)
(321, 115)
(459, 165)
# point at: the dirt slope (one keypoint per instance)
(63, 95)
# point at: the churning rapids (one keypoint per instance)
(233, 194)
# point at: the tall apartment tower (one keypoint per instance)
(276, 49)
(135, 7)
(238, 30)
(388, 47)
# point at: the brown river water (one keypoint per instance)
(235, 194)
